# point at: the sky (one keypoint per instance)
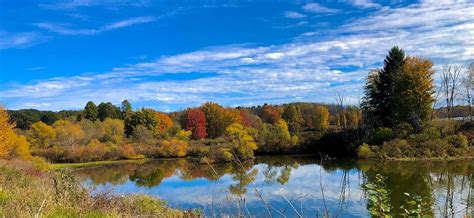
(169, 55)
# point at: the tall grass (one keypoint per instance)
(26, 191)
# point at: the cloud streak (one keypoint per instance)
(19, 40)
(60, 29)
(317, 8)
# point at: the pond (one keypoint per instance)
(291, 185)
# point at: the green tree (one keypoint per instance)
(292, 115)
(107, 110)
(379, 89)
(144, 117)
(90, 111)
(275, 138)
(413, 92)
(126, 109)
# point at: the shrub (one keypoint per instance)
(128, 152)
(396, 148)
(221, 154)
(198, 150)
(381, 135)
(458, 140)
(364, 151)
(173, 148)
(403, 130)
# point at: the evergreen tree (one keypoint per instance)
(379, 89)
(90, 111)
(126, 109)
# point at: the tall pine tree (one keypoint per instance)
(379, 90)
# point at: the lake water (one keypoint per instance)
(290, 186)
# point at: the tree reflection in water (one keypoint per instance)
(291, 186)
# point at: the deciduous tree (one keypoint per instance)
(41, 135)
(414, 92)
(68, 133)
(320, 117)
(107, 110)
(242, 142)
(195, 121)
(292, 115)
(164, 122)
(270, 114)
(114, 130)
(219, 118)
(7, 135)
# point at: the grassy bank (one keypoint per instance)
(94, 163)
(26, 191)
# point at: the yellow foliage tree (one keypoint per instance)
(68, 133)
(242, 141)
(22, 147)
(413, 92)
(114, 130)
(7, 135)
(176, 146)
(41, 135)
(320, 117)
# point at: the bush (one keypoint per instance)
(381, 135)
(173, 148)
(396, 148)
(403, 130)
(221, 154)
(458, 140)
(364, 151)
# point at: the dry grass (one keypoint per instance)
(26, 191)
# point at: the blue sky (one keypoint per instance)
(170, 55)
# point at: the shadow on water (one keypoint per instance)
(291, 185)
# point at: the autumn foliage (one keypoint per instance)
(164, 122)
(195, 121)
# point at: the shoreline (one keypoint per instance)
(55, 166)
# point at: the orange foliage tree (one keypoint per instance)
(270, 114)
(164, 122)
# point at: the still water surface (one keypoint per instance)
(290, 186)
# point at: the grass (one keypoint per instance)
(94, 163)
(26, 191)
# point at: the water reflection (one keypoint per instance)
(291, 185)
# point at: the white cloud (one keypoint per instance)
(35, 68)
(317, 8)
(294, 15)
(364, 4)
(60, 29)
(19, 40)
(111, 4)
